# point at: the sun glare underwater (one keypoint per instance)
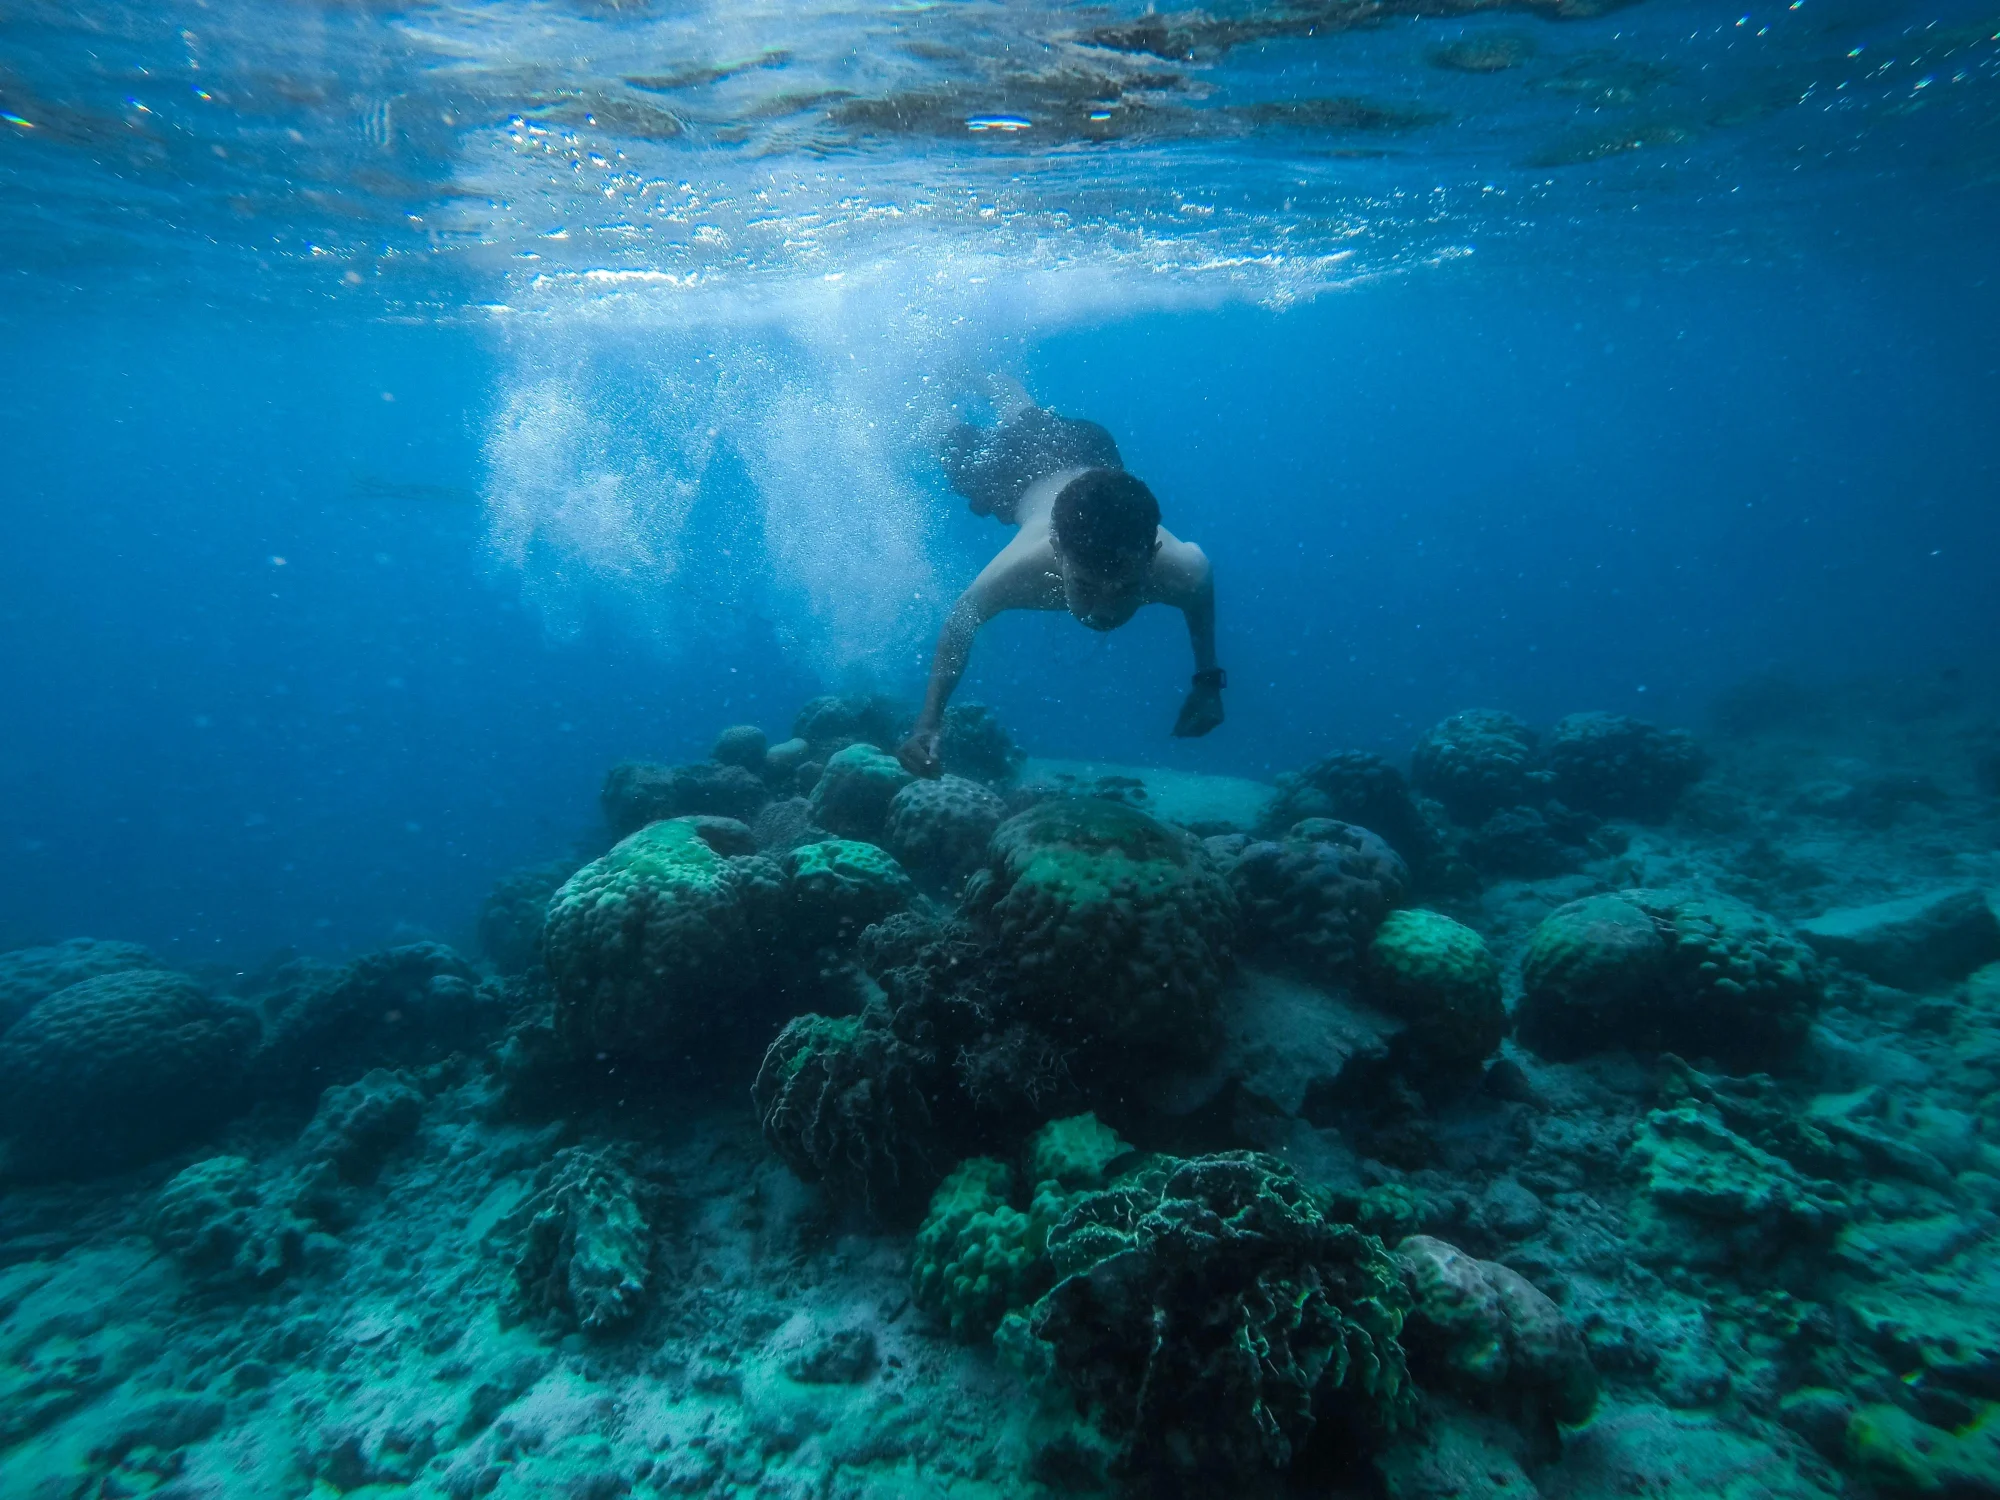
(996, 749)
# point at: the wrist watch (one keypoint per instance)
(1214, 677)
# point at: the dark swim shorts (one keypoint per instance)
(993, 466)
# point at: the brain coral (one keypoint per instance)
(939, 828)
(1439, 976)
(30, 975)
(1112, 930)
(1314, 898)
(853, 794)
(1621, 767)
(1669, 970)
(1211, 1316)
(839, 887)
(657, 941)
(1476, 763)
(846, 1102)
(119, 1069)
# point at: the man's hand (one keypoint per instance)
(1202, 710)
(919, 753)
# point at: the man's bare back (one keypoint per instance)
(1090, 543)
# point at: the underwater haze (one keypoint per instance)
(497, 998)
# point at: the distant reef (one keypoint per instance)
(1569, 1110)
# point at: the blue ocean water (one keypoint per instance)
(409, 412)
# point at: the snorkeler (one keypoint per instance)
(1090, 542)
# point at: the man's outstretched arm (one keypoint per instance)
(919, 753)
(1195, 590)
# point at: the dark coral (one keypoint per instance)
(1667, 970)
(976, 745)
(939, 829)
(830, 724)
(1313, 899)
(1112, 931)
(740, 745)
(1476, 763)
(637, 793)
(1526, 843)
(844, 1101)
(1620, 767)
(358, 1124)
(1352, 786)
(1211, 1317)
(510, 919)
(401, 1007)
(29, 976)
(120, 1069)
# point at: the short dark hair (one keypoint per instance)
(1104, 516)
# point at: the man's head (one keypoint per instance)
(1106, 528)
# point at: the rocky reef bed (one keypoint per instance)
(1579, 1112)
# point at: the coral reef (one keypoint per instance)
(1211, 1317)
(853, 795)
(585, 1257)
(1726, 1222)
(1439, 977)
(1112, 930)
(1313, 899)
(119, 1069)
(29, 976)
(1621, 767)
(658, 941)
(940, 828)
(1667, 970)
(845, 1101)
(1476, 763)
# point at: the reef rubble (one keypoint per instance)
(1587, 1110)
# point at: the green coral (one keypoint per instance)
(1667, 970)
(978, 1258)
(1076, 1153)
(853, 794)
(1211, 1316)
(1440, 977)
(1112, 929)
(657, 940)
(840, 886)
